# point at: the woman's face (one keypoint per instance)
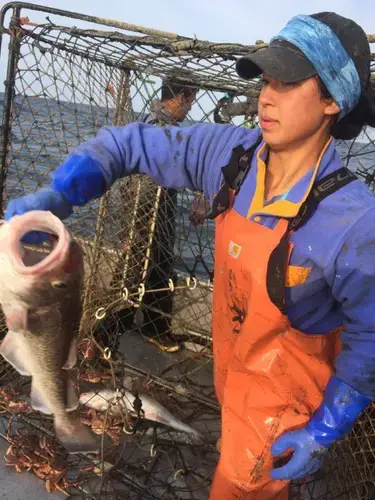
(291, 113)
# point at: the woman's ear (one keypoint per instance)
(331, 107)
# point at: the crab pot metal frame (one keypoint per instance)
(64, 83)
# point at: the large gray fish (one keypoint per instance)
(106, 398)
(40, 293)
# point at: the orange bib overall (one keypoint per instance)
(269, 377)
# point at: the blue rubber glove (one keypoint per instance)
(79, 180)
(44, 199)
(332, 421)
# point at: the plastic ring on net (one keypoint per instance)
(171, 285)
(179, 472)
(188, 283)
(100, 313)
(131, 432)
(141, 291)
(107, 353)
(152, 450)
(125, 294)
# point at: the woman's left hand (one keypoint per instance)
(307, 458)
(341, 406)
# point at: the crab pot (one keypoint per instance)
(69, 75)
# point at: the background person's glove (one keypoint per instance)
(332, 421)
(44, 199)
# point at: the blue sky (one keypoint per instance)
(242, 21)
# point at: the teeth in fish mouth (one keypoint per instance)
(58, 284)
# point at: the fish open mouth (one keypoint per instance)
(40, 258)
(31, 255)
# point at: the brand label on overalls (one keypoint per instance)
(234, 249)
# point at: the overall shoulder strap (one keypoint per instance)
(323, 188)
(234, 173)
(278, 262)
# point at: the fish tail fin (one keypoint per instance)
(170, 421)
(75, 436)
(180, 426)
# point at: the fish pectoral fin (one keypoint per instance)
(72, 356)
(38, 401)
(72, 400)
(10, 349)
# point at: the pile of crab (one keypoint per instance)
(41, 455)
(37, 452)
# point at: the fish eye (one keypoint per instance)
(60, 285)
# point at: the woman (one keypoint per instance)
(293, 314)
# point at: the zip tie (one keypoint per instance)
(141, 291)
(107, 353)
(171, 285)
(152, 450)
(125, 294)
(100, 313)
(116, 397)
(188, 283)
(179, 472)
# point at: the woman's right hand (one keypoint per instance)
(44, 199)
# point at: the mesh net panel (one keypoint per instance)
(148, 264)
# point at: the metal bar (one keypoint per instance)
(240, 87)
(195, 43)
(3, 30)
(88, 18)
(124, 115)
(132, 230)
(151, 234)
(76, 52)
(94, 264)
(113, 251)
(14, 52)
(3, 13)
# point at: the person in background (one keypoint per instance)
(172, 109)
(175, 103)
(293, 320)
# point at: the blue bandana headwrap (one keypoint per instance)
(328, 56)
